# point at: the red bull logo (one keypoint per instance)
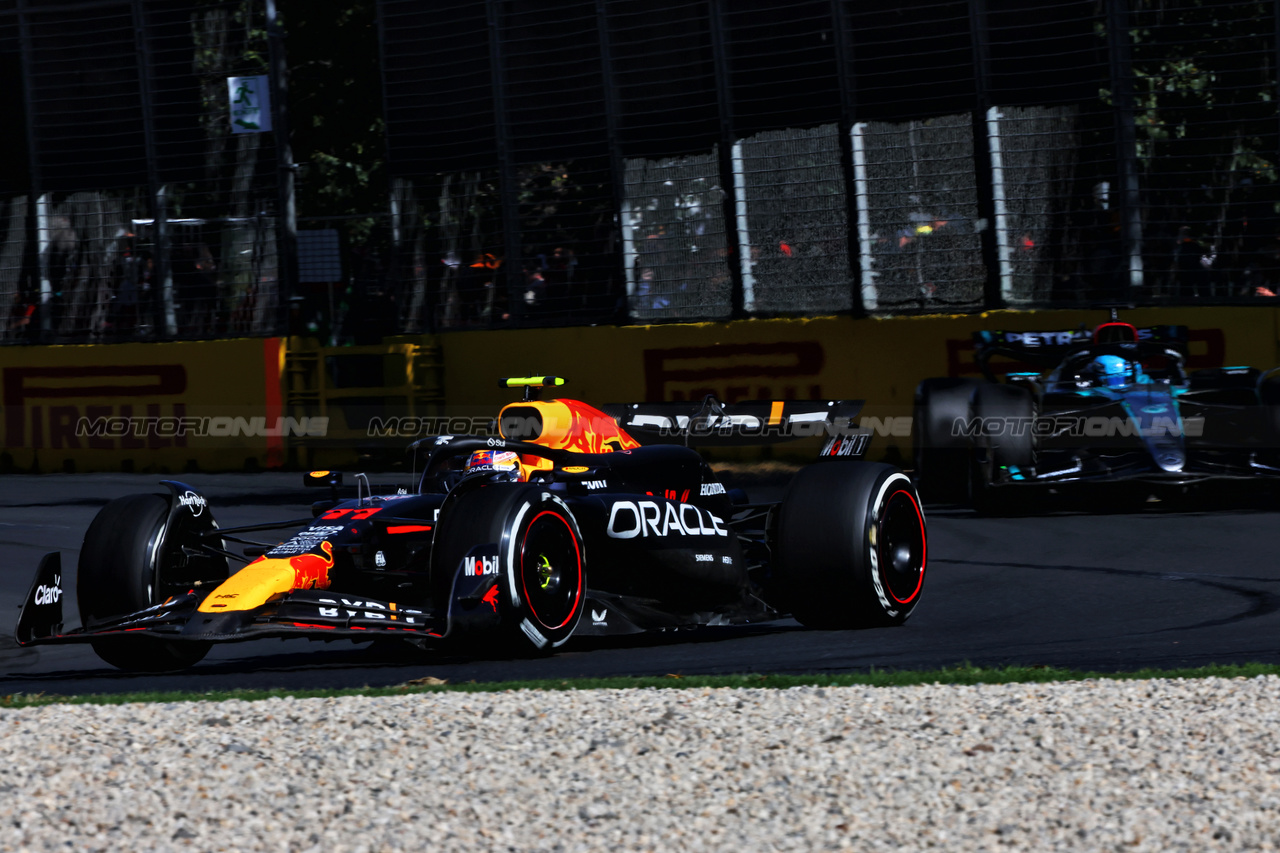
(491, 598)
(311, 571)
(269, 578)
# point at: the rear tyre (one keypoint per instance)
(543, 569)
(996, 456)
(851, 545)
(941, 457)
(120, 572)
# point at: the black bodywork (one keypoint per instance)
(669, 546)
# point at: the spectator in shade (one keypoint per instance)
(476, 289)
(559, 275)
(535, 288)
(1188, 270)
(194, 272)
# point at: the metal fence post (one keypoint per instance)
(1128, 199)
(507, 179)
(1275, 52)
(862, 296)
(37, 273)
(1275, 63)
(286, 220)
(162, 298)
(986, 172)
(617, 163)
(742, 302)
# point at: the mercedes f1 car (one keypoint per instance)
(572, 520)
(1113, 405)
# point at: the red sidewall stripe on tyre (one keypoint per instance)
(924, 549)
(577, 552)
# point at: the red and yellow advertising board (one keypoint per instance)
(879, 360)
(221, 405)
(211, 405)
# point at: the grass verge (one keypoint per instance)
(964, 674)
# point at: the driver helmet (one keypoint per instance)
(1111, 370)
(497, 466)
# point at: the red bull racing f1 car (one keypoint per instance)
(571, 520)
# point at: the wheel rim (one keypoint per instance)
(547, 575)
(551, 570)
(900, 540)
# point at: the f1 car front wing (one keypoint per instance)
(319, 614)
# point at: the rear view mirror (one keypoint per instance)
(320, 479)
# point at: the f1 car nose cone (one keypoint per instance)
(1170, 460)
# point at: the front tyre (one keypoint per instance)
(543, 574)
(545, 570)
(1001, 456)
(851, 545)
(120, 572)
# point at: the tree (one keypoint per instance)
(335, 104)
(1206, 124)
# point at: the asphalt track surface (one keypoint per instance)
(1152, 586)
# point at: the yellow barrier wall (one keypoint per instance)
(237, 385)
(149, 402)
(877, 360)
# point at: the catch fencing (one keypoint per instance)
(620, 161)
(706, 160)
(131, 207)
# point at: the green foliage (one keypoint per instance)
(563, 203)
(335, 104)
(1204, 108)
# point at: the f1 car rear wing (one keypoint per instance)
(571, 424)
(1046, 349)
(712, 423)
